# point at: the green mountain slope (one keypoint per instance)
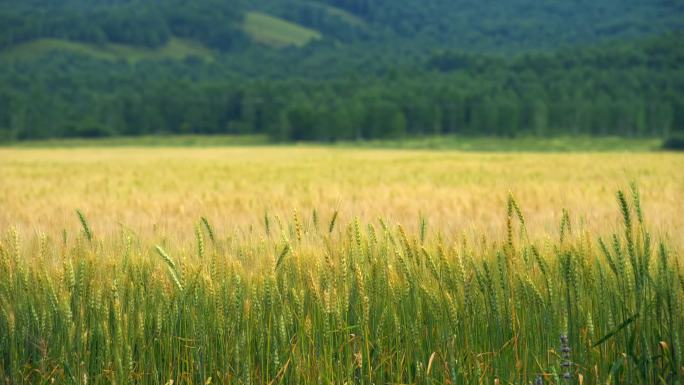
(174, 49)
(629, 89)
(340, 69)
(259, 27)
(227, 25)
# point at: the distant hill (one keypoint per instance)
(259, 27)
(631, 89)
(229, 25)
(341, 69)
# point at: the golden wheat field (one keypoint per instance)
(318, 265)
(154, 191)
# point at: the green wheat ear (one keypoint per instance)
(210, 230)
(171, 266)
(565, 226)
(331, 227)
(165, 257)
(282, 255)
(200, 241)
(84, 223)
(625, 210)
(637, 202)
(267, 223)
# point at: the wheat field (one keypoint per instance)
(159, 192)
(304, 265)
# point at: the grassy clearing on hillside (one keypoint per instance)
(148, 141)
(277, 32)
(299, 301)
(153, 191)
(174, 49)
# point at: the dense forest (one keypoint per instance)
(375, 69)
(140, 23)
(463, 24)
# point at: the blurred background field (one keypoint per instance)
(159, 192)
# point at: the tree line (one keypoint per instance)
(627, 89)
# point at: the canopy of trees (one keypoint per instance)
(481, 25)
(139, 23)
(633, 90)
(383, 69)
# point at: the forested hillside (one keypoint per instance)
(340, 69)
(464, 24)
(489, 25)
(139, 23)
